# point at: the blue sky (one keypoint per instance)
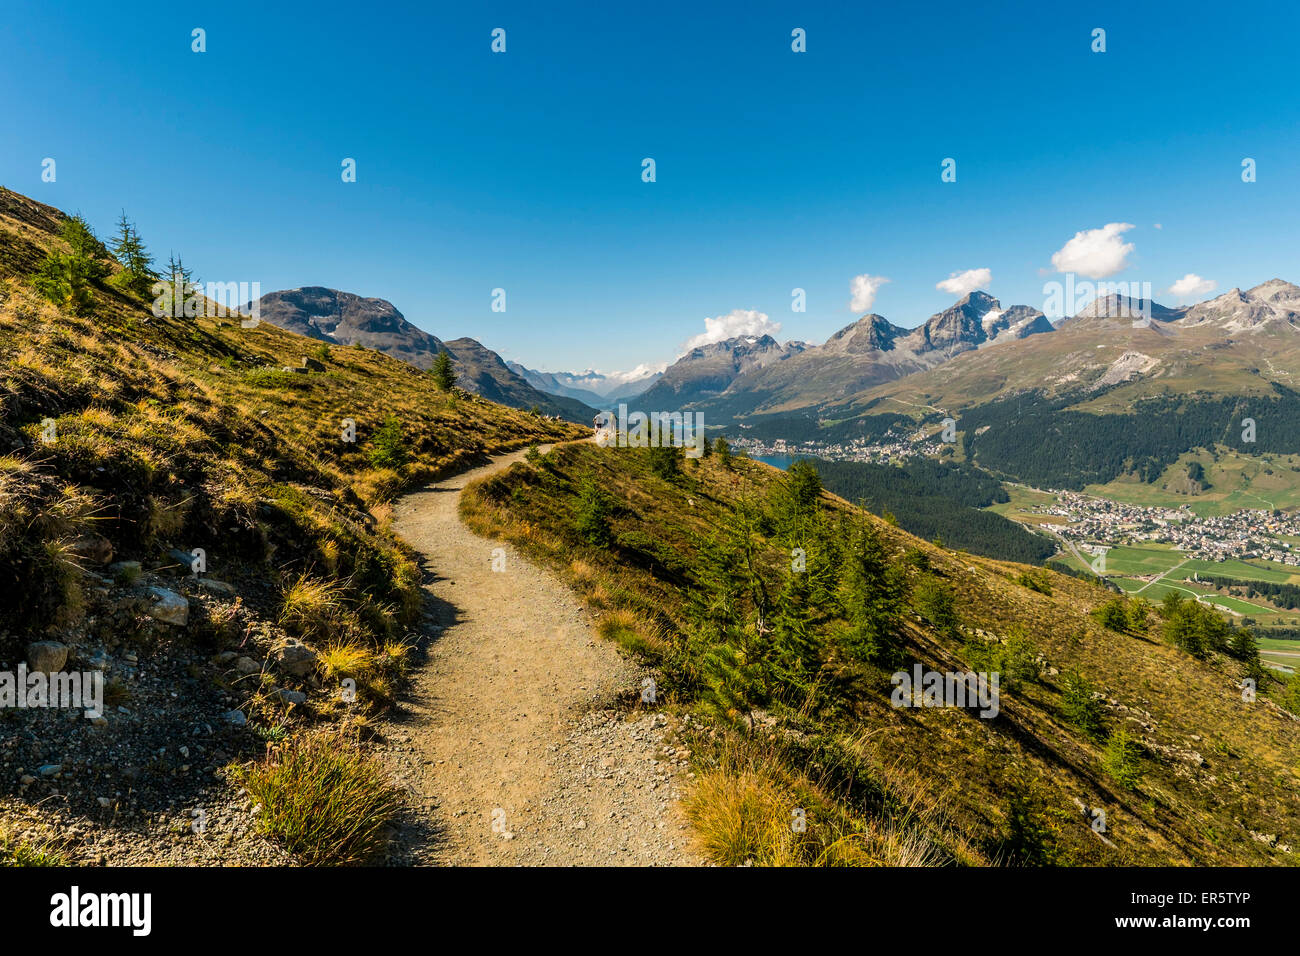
(775, 169)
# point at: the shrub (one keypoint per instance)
(1036, 581)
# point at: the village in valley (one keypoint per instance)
(1241, 535)
(889, 449)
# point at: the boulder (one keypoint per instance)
(125, 569)
(93, 547)
(295, 658)
(183, 558)
(312, 365)
(48, 657)
(168, 606)
(287, 696)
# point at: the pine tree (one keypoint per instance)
(388, 448)
(723, 451)
(1121, 759)
(729, 613)
(665, 461)
(65, 278)
(443, 373)
(804, 484)
(803, 608)
(1079, 707)
(180, 279)
(76, 232)
(872, 592)
(591, 521)
(137, 274)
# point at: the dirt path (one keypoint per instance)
(513, 746)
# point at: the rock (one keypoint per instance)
(295, 658)
(27, 780)
(312, 365)
(104, 802)
(225, 657)
(93, 547)
(168, 607)
(183, 558)
(290, 696)
(125, 569)
(215, 586)
(48, 657)
(50, 769)
(235, 717)
(246, 665)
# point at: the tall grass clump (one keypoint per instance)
(323, 799)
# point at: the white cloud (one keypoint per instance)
(1095, 253)
(734, 323)
(964, 283)
(864, 289)
(1192, 286)
(1158, 226)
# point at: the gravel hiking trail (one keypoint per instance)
(520, 742)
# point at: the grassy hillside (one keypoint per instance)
(127, 441)
(788, 675)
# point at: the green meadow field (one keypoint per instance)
(1234, 483)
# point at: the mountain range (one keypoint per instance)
(976, 350)
(749, 376)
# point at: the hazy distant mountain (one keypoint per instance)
(482, 371)
(347, 319)
(592, 387)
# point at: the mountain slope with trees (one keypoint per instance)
(776, 615)
(938, 500)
